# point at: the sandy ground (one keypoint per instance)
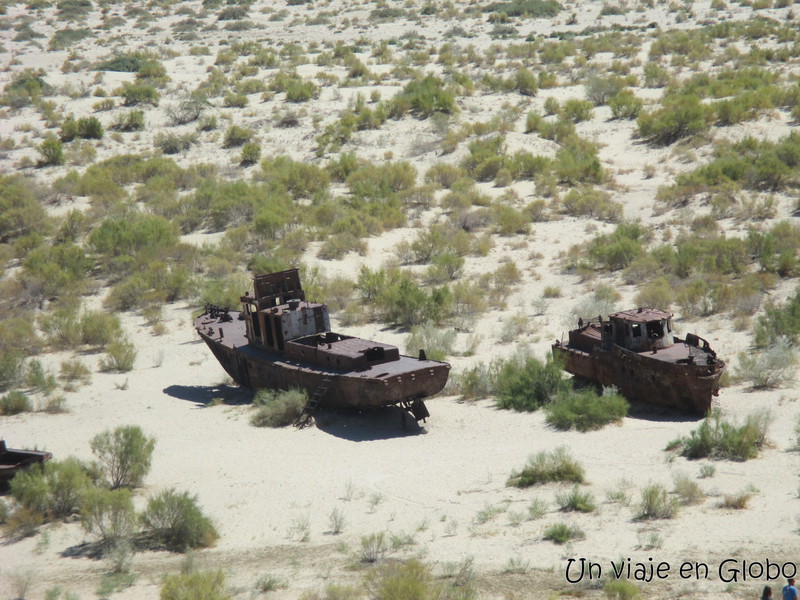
(438, 490)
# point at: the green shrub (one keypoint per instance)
(174, 521)
(236, 136)
(548, 467)
(625, 105)
(656, 503)
(26, 86)
(21, 212)
(132, 234)
(525, 82)
(577, 110)
(681, 116)
(198, 585)
(174, 143)
(125, 454)
(778, 321)
(529, 8)
(132, 120)
(99, 328)
(138, 93)
(278, 408)
(52, 152)
(772, 367)
(525, 383)
(621, 589)
(251, 153)
(600, 89)
(592, 202)
(109, 516)
(56, 489)
(437, 343)
(90, 128)
(67, 36)
(15, 402)
(687, 489)
(617, 250)
(577, 162)
(120, 357)
(586, 411)
(233, 100)
(721, 439)
(423, 97)
(576, 501)
(561, 533)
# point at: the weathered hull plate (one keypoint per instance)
(380, 385)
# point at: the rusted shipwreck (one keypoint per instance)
(637, 351)
(280, 340)
(12, 460)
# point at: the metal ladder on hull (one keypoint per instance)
(304, 420)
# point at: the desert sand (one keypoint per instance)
(438, 489)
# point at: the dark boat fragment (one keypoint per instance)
(280, 341)
(636, 351)
(13, 460)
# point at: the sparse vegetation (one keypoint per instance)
(278, 408)
(546, 467)
(722, 439)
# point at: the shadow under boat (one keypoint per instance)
(204, 395)
(368, 425)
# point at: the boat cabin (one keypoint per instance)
(639, 330)
(278, 312)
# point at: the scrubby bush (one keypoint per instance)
(173, 520)
(577, 110)
(656, 503)
(120, 357)
(584, 410)
(52, 152)
(548, 467)
(561, 533)
(90, 128)
(681, 116)
(138, 93)
(601, 88)
(721, 439)
(621, 589)
(125, 454)
(777, 322)
(775, 366)
(55, 489)
(437, 343)
(251, 153)
(576, 500)
(26, 86)
(525, 383)
(195, 585)
(15, 402)
(592, 202)
(109, 516)
(278, 408)
(132, 120)
(423, 97)
(236, 136)
(174, 143)
(625, 105)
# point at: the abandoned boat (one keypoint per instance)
(13, 460)
(636, 351)
(280, 340)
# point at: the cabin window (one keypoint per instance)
(655, 329)
(606, 327)
(636, 330)
(253, 313)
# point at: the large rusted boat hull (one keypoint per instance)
(387, 384)
(641, 376)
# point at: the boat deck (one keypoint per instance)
(233, 336)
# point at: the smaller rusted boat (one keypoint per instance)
(12, 460)
(637, 352)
